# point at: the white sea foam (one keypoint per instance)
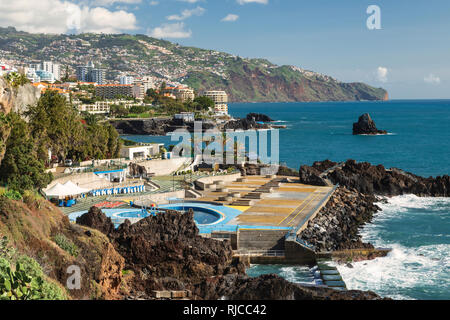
(296, 274)
(403, 268)
(407, 272)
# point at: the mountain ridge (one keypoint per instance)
(244, 79)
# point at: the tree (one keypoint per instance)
(204, 103)
(21, 169)
(58, 127)
(17, 79)
(118, 110)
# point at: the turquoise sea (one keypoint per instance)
(417, 229)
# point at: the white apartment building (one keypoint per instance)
(184, 94)
(126, 80)
(104, 107)
(32, 76)
(49, 67)
(53, 68)
(141, 86)
(220, 99)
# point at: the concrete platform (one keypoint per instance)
(285, 205)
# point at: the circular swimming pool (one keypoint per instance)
(202, 215)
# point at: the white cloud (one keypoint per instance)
(154, 3)
(242, 2)
(110, 2)
(58, 16)
(174, 30)
(432, 79)
(187, 14)
(382, 74)
(230, 18)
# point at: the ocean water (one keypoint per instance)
(417, 229)
(418, 267)
(418, 139)
(296, 274)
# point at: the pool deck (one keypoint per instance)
(253, 203)
(285, 204)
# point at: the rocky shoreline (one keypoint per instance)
(163, 126)
(374, 179)
(337, 225)
(166, 253)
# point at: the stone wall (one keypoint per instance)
(261, 239)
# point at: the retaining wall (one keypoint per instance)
(254, 239)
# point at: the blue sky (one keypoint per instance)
(409, 56)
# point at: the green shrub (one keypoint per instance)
(48, 290)
(27, 280)
(12, 195)
(67, 245)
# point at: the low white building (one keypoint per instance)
(104, 107)
(140, 152)
(185, 116)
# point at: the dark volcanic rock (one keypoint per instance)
(96, 219)
(366, 125)
(169, 245)
(244, 124)
(143, 127)
(370, 179)
(259, 117)
(271, 287)
(310, 175)
(137, 170)
(336, 226)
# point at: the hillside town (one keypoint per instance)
(89, 91)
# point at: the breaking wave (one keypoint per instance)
(418, 267)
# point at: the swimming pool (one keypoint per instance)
(202, 215)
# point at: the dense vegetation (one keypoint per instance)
(160, 105)
(22, 278)
(52, 125)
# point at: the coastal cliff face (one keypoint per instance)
(250, 82)
(6, 104)
(13, 100)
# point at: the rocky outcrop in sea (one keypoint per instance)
(259, 117)
(366, 125)
(376, 179)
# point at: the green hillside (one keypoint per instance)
(243, 79)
